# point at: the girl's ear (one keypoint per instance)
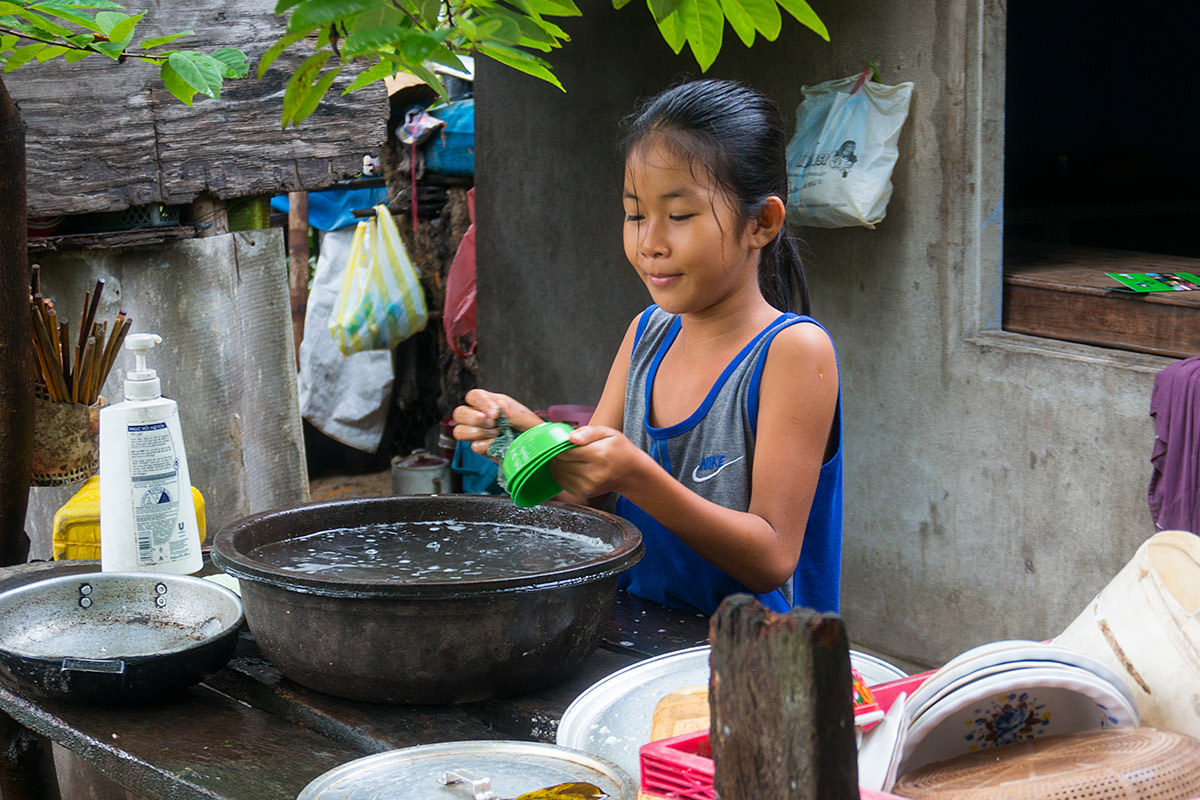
(765, 227)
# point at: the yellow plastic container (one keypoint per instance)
(77, 523)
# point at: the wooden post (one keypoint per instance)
(298, 263)
(782, 704)
(213, 213)
(16, 354)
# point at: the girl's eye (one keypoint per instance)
(634, 217)
(681, 217)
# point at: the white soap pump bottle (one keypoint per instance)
(147, 514)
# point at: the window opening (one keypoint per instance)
(1101, 174)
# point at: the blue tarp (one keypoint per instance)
(332, 209)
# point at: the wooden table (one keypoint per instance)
(248, 733)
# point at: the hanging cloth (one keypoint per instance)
(1174, 491)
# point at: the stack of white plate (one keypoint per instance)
(1011, 691)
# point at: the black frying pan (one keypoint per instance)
(112, 636)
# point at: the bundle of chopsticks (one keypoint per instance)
(74, 377)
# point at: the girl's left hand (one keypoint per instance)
(603, 460)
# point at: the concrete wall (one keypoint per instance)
(994, 482)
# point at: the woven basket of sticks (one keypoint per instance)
(70, 373)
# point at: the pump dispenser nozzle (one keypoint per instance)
(141, 383)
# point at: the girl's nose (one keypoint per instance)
(652, 241)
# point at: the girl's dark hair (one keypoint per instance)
(737, 135)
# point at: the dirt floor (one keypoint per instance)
(340, 487)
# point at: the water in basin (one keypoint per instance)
(432, 551)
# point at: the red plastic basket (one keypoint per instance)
(681, 768)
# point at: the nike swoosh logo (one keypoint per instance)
(699, 479)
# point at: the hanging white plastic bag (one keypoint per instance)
(841, 157)
(381, 302)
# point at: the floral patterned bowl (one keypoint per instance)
(1015, 705)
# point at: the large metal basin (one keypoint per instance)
(425, 641)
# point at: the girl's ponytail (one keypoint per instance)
(781, 274)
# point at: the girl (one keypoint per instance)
(719, 426)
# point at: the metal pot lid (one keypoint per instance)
(466, 771)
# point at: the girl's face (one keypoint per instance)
(682, 234)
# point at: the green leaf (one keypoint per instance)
(430, 77)
(804, 13)
(374, 39)
(497, 28)
(447, 57)
(22, 56)
(9, 8)
(767, 18)
(661, 9)
(521, 61)
(232, 62)
(95, 4)
(315, 13)
(75, 55)
(670, 25)
(123, 31)
(111, 49)
(535, 31)
(199, 71)
(68, 13)
(301, 82)
(175, 84)
(44, 26)
(419, 46)
(107, 20)
(704, 26)
(273, 52)
(556, 8)
(52, 51)
(311, 98)
(619, 4)
(7, 43)
(376, 72)
(740, 19)
(428, 11)
(159, 41)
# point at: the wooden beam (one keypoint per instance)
(103, 136)
(782, 704)
(297, 245)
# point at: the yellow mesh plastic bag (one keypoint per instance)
(381, 302)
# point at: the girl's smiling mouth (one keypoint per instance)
(661, 280)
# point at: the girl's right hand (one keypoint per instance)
(478, 418)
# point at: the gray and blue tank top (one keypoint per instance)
(712, 453)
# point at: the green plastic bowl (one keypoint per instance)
(526, 463)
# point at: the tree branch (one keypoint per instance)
(144, 55)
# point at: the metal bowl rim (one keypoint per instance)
(239, 565)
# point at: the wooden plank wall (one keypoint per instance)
(102, 136)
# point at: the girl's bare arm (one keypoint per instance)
(758, 547)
